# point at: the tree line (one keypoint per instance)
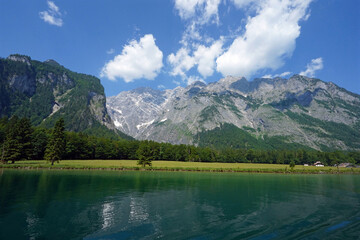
(19, 140)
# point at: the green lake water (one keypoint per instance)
(51, 204)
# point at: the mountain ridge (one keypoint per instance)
(46, 91)
(270, 107)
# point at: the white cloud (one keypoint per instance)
(269, 37)
(205, 58)
(196, 14)
(192, 79)
(181, 62)
(267, 76)
(53, 7)
(284, 74)
(176, 82)
(186, 8)
(312, 67)
(161, 87)
(191, 34)
(52, 15)
(110, 51)
(211, 10)
(138, 59)
(243, 3)
(203, 10)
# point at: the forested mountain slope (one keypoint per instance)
(46, 91)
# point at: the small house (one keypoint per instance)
(344, 164)
(318, 164)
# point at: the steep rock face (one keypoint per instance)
(301, 110)
(46, 91)
(148, 105)
(23, 80)
(97, 103)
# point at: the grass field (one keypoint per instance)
(178, 166)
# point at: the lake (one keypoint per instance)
(55, 204)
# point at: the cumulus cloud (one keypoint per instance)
(205, 58)
(204, 10)
(52, 15)
(138, 59)
(315, 65)
(181, 62)
(190, 35)
(193, 79)
(269, 37)
(196, 14)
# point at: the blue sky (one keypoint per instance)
(163, 44)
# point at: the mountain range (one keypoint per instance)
(266, 113)
(298, 112)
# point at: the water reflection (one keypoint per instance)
(107, 214)
(138, 212)
(138, 205)
(33, 224)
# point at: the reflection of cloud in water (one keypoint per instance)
(107, 214)
(200, 206)
(138, 210)
(32, 226)
(126, 218)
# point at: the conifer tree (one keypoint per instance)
(145, 154)
(25, 131)
(39, 142)
(55, 148)
(11, 148)
(292, 165)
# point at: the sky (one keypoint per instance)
(163, 44)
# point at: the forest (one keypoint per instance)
(19, 140)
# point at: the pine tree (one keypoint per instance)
(292, 165)
(25, 138)
(145, 154)
(39, 142)
(11, 147)
(56, 146)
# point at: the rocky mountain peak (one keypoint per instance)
(198, 84)
(20, 58)
(52, 62)
(299, 110)
(147, 90)
(231, 79)
(44, 93)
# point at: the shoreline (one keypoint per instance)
(174, 169)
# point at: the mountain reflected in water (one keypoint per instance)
(172, 205)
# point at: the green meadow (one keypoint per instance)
(177, 166)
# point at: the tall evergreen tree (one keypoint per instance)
(11, 147)
(145, 154)
(25, 131)
(39, 142)
(55, 148)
